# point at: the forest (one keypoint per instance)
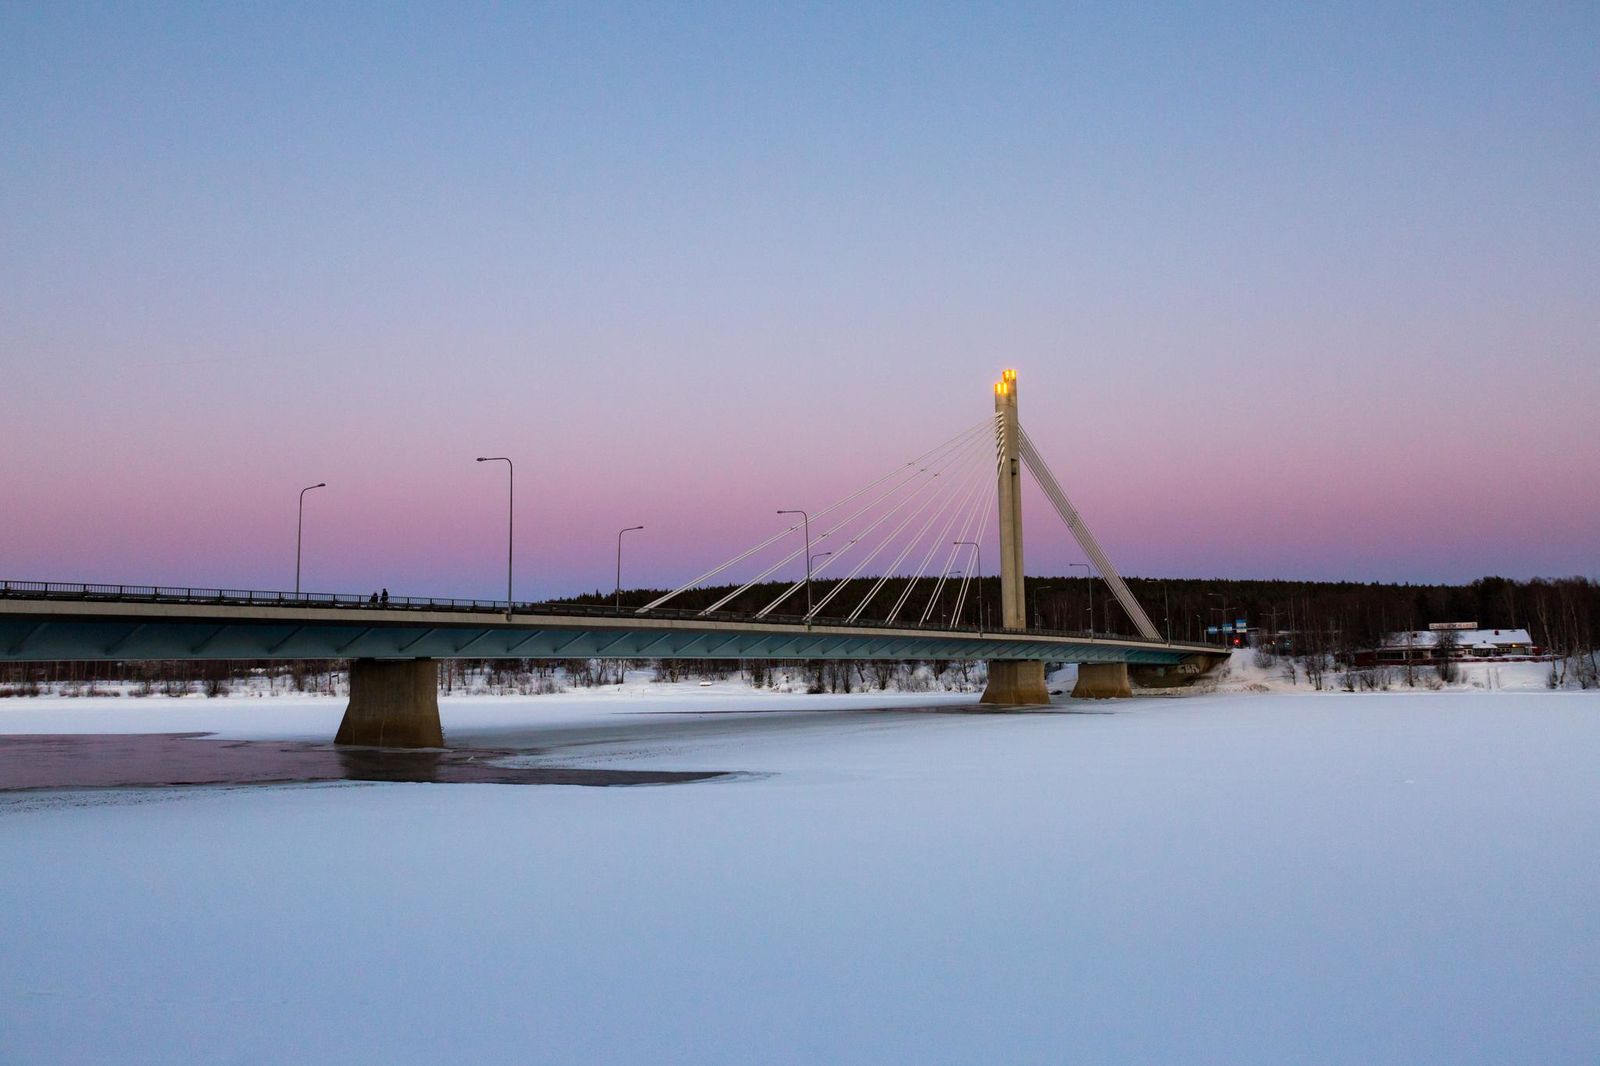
(1319, 624)
(1339, 617)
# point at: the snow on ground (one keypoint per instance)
(1390, 877)
(1244, 673)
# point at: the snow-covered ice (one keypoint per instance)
(1277, 877)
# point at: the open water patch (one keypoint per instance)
(34, 762)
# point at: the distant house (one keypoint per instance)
(1456, 640)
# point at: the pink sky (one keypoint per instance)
(185, 498)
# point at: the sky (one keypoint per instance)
(1300, 294)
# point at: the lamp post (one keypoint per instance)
(620, 532)
(1222, 614)
(807, 520)
(978, 553)
(1038, 621)
(299, 527)
(822, 555)
(1088, 577)
(953, 575)
(511, 515)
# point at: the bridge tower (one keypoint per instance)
(1012, 683)
(1013, 600)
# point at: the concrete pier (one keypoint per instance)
(1102, 681)
(1015, 683)
(393, 704)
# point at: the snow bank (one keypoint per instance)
(1374, 878)
(1244, 672)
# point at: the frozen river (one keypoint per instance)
(1247, 878)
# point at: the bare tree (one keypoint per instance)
(1445, 644)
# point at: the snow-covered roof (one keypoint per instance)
(1466, 638)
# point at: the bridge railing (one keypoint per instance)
(79, 591)
(93, 593)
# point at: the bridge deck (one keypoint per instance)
(40, 622)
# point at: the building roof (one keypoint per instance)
(1466, 638)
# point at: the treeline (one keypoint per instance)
(1562, 614)
(182, 677)
(492, 677)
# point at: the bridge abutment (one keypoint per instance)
(1177, 675)
(1015, 683)
(393, 704)
(1102, 681)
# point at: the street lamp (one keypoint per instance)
(511, 515)
(978, 552)
(1222, 614)
(952, 580)
(807, 519)
(299, 527)
(620, 532)
(1038, 621)
(1088, 576)
(1166, 611)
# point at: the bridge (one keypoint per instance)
(394, 645)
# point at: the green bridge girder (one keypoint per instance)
(33, 631)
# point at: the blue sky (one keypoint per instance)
(1291, 293)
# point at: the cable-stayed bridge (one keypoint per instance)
(888, 571)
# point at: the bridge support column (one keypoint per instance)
(1015, 683)
(393, 704)
(1012, 683)
(1102, 681)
